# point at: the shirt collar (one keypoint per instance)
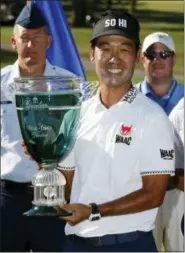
(48, 69)
(10, 85)
(145, 88)
(169, 93)
(98, 100)
(16, 72)
(128, 98)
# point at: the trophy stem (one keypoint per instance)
(48, 166)
(49, 192)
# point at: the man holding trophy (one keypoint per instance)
(20, 233)
(123, 155)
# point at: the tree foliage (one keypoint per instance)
(80, 9)
(91, 7)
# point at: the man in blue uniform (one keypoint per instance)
(18, 233)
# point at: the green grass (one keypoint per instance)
(175, 6)
(6, 33)
(91, 76)
(7, 58)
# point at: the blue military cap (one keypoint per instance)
(31, 17)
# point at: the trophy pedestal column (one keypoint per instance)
(49, 192)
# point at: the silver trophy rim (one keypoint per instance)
(66, 78)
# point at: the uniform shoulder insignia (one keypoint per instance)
(6, 70)
(56, 67)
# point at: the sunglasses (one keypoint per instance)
(154, 55)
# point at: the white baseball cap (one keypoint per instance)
(161, 37)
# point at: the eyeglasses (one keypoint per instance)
(154, 55)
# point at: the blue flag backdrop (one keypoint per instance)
(63, 51)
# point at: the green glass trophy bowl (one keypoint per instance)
(48, 110)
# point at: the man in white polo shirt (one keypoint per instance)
(159, 57)
(123, 155)
(173, 206)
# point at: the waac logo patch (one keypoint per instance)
(167, 154)
(125, 135)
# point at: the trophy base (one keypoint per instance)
(47, 211)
